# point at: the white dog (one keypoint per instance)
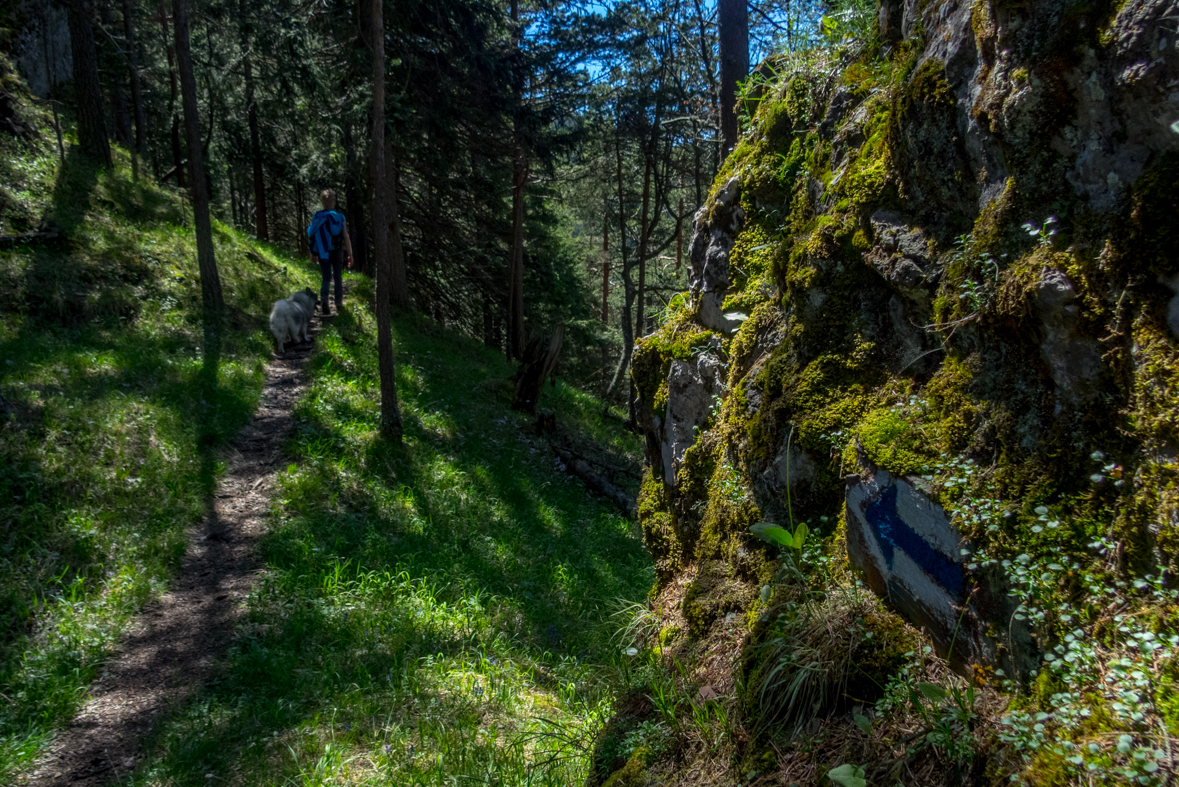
(290, 318)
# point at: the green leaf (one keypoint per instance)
(291, 468)
(768, 531)
(848, 775)
(863, 722)
(934, 692)
(800, 534)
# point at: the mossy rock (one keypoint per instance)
(815, 658)
(713, 593)
(634, 773)
(609, 761)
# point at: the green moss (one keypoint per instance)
(730, 511)
(659, 534)
(712, 593)
(633, 774)
(955, 412)
(892, 441)
(993, 220)
(677, 340)
(1148, 237)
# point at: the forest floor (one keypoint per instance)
(175, 640)
(443, 611)
(440, 612)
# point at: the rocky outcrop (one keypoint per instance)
(924, 315)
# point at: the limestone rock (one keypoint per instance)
(690, 390)
(792, 468)
(901, 255)
(708, 255)
(1073, 360)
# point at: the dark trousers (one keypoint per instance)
(332, 268)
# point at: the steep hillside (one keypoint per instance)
(934, 317)
(110, 416)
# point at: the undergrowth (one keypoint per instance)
(439, 613)
(113, 403)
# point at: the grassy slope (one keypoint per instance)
(110, 421)
(438, 613)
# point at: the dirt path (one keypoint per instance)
(177, 639)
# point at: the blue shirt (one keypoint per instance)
(323, 231)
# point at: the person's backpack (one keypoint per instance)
(324, 231)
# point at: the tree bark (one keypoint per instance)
(260, 225)
(177, 156)
(232, 196)
(399, 290)
(679, 238)
(515, 311)
(733, 34)
(390, 414)
(516, 263)
(352, 192)
(136, 91)
(92, 139)
(120, 112)
(644, 230)
(606, 267)
(627, 286)
(210, 280)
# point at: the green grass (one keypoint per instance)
(114, 406)
(439, 613)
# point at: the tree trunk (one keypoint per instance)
(352, 192)
(210, 281)
(390, 414)
(679, 238)
(515, 311)
(537, 364)
(627, 287)
(177, 157)
(516, 263)
(489, 337)
(136, 91)
(644, 230)
(300, 220)
(733, 34)
(260, 226)
(232, 196)
(119, 109)
(399, 290)
(606, 267)
(92, 138)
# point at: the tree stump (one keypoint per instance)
(537, 364)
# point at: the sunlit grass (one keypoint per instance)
(108, 424)
(434, 614)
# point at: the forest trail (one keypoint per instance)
(176, 640)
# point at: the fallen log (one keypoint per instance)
(581, 469)
(45, 235)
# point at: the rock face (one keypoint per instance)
(903, 321)
(690, 391)
(708, 253)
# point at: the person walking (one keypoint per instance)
(327, 229)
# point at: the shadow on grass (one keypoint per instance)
(519, 564)
(94, 478)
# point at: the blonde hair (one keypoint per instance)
(328, 198)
